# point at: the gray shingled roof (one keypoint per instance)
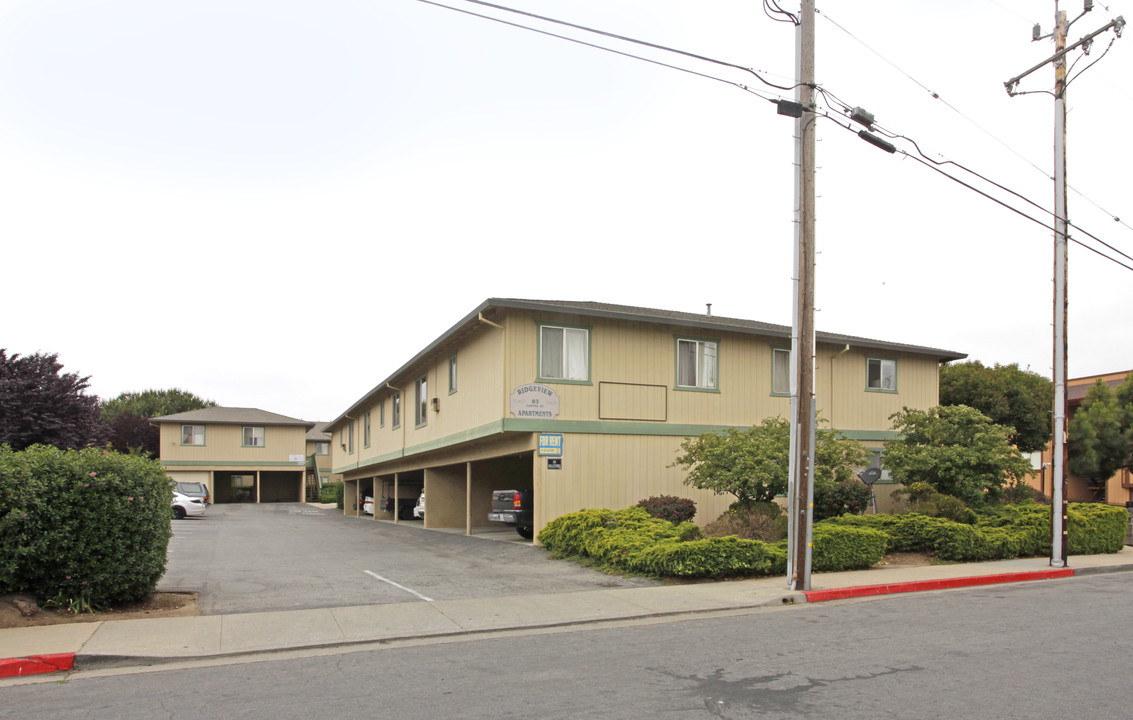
(231, 416)
(652, 315)
(318, 433)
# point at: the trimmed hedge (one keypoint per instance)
(1001, 533)
(82, 528)
(634, 541)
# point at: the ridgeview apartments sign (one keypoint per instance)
(534, 401)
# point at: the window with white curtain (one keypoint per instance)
(253, 436)
(881, 374)
(696, 364)
(192, 434)
(422, 388)
(564, 353)
(780, 371)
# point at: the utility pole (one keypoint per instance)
(1059, 475)
(801, 465)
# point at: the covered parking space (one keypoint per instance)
(257, 486)
(459, 496)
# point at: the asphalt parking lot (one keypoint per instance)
(289, 556)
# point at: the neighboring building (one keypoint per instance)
(1117, 490)
(242, 454)
(318, 460)
(587, 404)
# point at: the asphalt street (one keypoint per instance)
(289, 556)
(1026, 650)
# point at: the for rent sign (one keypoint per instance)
(534, 401)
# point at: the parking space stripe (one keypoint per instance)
(401, 587)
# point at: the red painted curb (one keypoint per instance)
(36, 664)
(917, 586)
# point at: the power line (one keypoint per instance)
(611, 35)
(603, 48)
(829, 97)
(936, 96)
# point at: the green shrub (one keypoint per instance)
(331, 493)
(82, 528)
(757, 521)
(1096, 528)
(838, 548)
(832, 498)
(922, 498)
(714, 557)
(669, 507)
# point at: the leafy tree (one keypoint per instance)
(40, 405)
(957, 450)
(1100, 432)
(752, 464)
(128, 416)
(1018, 399)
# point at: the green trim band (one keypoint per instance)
(577, 427)
(227, 463)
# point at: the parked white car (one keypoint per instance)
(419, 508)
(185, 506)
(368, 506)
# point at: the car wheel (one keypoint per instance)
(178, 512)
(524, 532)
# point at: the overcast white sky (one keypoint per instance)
(275, 204)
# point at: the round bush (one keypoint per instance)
(82, 528)
(669, 507)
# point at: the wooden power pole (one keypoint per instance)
(1059, 544)
(801, 467)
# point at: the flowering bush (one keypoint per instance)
(669, 507)
(832, 499)
(82, 528)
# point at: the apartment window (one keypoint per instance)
(253, 436)
(192, 434)
(422, 401)
(452, 375)
(349, 430)
(564, 353)
(381, 413)
(881, 374)
(875, 462)
(366, 430)
(780, 371)
(322, 448)
(395, 409)
(696, 364)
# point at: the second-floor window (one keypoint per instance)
(422, 401)
(395, 409)
(322, 448)
(253, 436)
(881, 374)
(564, 353)
(780, 371)
(366, 430)
(452, 374)
(192, 434)
(696, 364)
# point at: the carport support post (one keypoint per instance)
(396, 500)
(467, 498)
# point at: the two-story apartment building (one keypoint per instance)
(587, 404)
(241, 454)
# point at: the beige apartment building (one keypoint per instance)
(587, 404)
(241, 454)
(1116, 490)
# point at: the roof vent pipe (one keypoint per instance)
(709, 309)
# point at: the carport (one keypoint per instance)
(459, 496)
(252, 486)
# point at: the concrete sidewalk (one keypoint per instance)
(125, 643)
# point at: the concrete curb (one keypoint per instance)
(85, 661)
(813, 596)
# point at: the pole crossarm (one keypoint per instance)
(1117, 25)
